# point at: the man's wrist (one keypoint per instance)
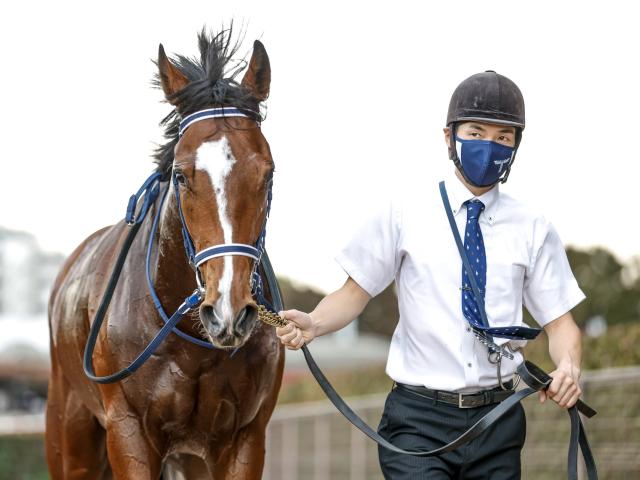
(568, 366)
(315, 328)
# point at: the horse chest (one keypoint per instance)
(210, 403)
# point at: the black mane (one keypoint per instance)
(208, 87)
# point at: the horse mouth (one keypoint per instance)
(227, 342)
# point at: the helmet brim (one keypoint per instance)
(488, 120)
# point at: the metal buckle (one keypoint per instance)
(461, 402)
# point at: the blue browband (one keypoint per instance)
(219, 112)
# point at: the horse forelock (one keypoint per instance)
(212, 82)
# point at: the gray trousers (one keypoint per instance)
(416, 423)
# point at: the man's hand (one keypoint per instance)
(332, 313)
(564, 388)
(299, 331)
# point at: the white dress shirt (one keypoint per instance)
(410, 240)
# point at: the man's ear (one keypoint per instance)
(447, 136)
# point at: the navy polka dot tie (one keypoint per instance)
(474, 248)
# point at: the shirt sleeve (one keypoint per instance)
(371, 257)
(550, 288)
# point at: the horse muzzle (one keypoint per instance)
(228, 331)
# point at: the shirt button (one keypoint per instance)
(469, 365)
(468, 329)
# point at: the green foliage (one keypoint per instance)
(22, 458)
(619, 347)
(301, 298)
(381, 314)
(605, 282)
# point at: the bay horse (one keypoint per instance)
(189, 412)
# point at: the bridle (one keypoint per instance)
(198, 258)
(146, 196)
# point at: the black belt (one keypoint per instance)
(460, 400)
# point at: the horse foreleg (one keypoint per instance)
(244, 458)
(75, 441)
(131, 456)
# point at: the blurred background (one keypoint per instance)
(358, 101)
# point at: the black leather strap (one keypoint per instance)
(578, 436)
(537, 378)
(466, 437)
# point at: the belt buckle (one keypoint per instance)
(461, 401)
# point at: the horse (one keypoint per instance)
(189, 412)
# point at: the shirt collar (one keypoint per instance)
(458, 194)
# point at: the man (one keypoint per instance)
(437, 360)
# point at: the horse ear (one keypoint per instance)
(171, 79)
(258, 77)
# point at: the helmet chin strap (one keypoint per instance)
(453, 155)
(513, 157)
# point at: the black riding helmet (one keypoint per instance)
(486, 97)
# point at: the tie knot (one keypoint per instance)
(474, 208)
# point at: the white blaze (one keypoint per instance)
(216, 159)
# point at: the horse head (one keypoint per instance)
(221, 170)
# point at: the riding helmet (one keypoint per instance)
(486, 97)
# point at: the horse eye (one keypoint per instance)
(180, 178)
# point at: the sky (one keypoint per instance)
(358, 99)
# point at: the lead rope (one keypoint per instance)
(535, 378)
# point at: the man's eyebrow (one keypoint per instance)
(507, 130)
(477, 127)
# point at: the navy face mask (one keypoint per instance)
(483, 161)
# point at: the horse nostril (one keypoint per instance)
(245, 319)
(209, 317)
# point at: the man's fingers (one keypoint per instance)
(572, 401)
(556, 384)
(563, 390)
(288, 337)
(284, 330)
(298, 329)
(297, 338)
(297, 343)
(569, 393)
(300, 341)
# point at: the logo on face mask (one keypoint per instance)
(482, 161)
(501, 163)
